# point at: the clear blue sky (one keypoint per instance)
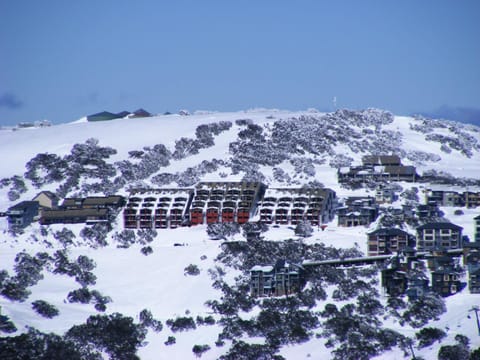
(61, 60)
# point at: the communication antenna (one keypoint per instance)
(334, 101)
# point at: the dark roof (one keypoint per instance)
(141, 113)
(24, 205)
(439, 225)
(388, 231)
(381, 159)
(122, 114)
(100, 200)
(102, 116)
(50, 194)
(60, 214)
(93, 201)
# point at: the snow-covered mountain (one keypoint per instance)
(200, 279)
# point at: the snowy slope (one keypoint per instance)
(157, 282)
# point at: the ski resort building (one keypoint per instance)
(439, 235)
(357, 211)
(278, 280)
(467, 199)
(157, 209)
(87, 210)
(225, 202)
(22, 214)
(476, 222)
(378, 168)
(388, 241)
(291, 206)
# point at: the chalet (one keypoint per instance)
(158, 208)
(385, 195)
(446, 282)
(278, 280)
(47, 200)
(471, 255)
(394, 281)
(428, 211)
(294, 205)
(436, 235)
(225, 202)
(417, 286)
(476, 221)
(388, 241)
(22, 214)
(357, 211)
(403, 276)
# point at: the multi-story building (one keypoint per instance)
(378, 168)
(357, 211)
(476, 224)
(446, 282)
(157, 209)
(468, 199)
(225, 202)
(278, 280)
(388, 241)
(439, 235)
(291, 206)
(22, 214)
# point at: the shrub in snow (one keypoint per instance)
(96, 234)
(64, 237)
(281, 175)
(244, 122)
(45, 309)
(145, 236)
(115, 334)
(454, 352)
(191, 270)
(207, 320)
(222, 231)
(241, 350)
(181, 324)
(185, 147)
(458, 212)
(146, 250)
(170, 340)
(303, 229)
(28, 272)
(124, 238)
(147, 320)
(164, 179)
(6, 326)
(17, 188)
(82, 296)
(198, 350)
(424, 309)
(427, 336)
